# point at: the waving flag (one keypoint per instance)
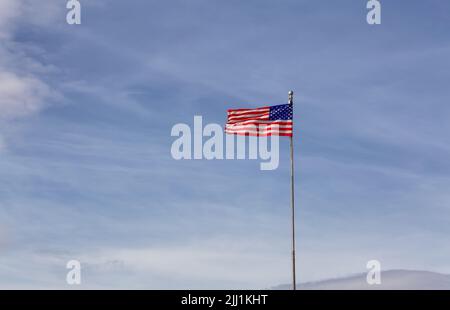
(266, 121)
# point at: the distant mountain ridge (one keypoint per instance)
(390, 280)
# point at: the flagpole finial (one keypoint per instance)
(291, 97)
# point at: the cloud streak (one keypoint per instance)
(21, 96)
(23, 89)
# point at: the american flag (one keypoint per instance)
(267, 121)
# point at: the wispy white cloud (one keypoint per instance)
(21, 96)
(211, 262)
(23, 89)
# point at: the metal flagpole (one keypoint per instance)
(294, 285)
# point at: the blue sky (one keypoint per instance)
(86, 113)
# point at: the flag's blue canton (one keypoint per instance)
(280, 112)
